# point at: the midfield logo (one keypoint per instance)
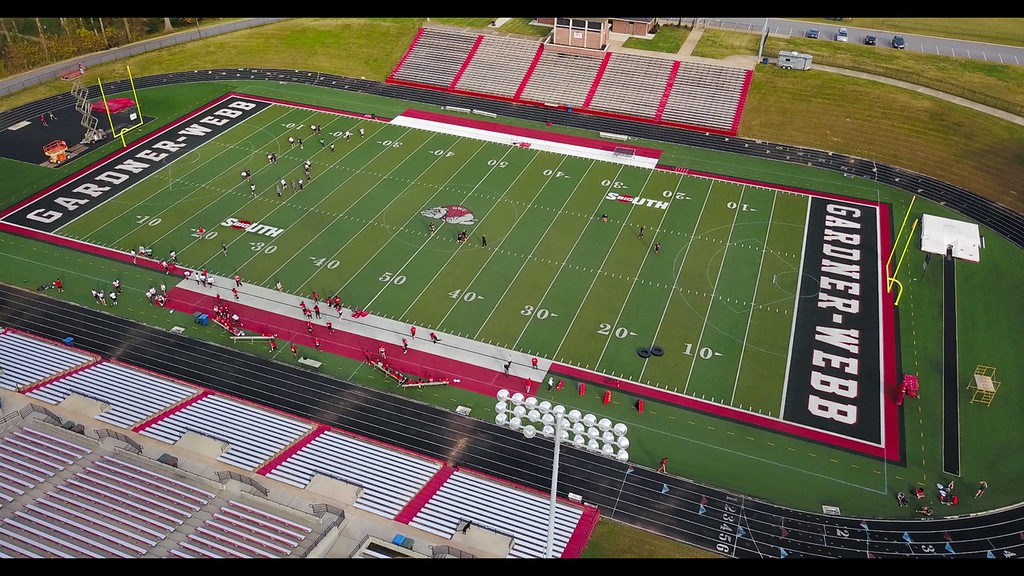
(452, 214)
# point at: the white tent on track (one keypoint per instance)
(943, 235)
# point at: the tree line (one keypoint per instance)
(29, 43)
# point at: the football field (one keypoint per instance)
(766, 303)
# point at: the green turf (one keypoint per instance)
(554, 280)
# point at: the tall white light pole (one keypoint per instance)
(599, 436)
(764, 37)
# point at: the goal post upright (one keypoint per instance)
(891, 276)
(110, 119)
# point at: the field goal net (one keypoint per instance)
(624, 152)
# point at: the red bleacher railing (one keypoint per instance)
(597, 79)
(669, 83)
(529, 72)
(465, 63)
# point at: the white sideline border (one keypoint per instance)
(535, 143)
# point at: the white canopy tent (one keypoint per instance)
(943, 235)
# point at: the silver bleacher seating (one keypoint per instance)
(27, 360)
(255, 435)
(389, 478)
(133, 395)
(500, 507)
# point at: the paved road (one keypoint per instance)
(996, 53)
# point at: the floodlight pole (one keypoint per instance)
(557, 420)
(764, 36)
(549, 549)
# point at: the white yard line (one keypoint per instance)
(527, 259)
(675, 287)
(284, 203)
(453, 174)
(714, 289)
(753, 298)
(636, 278)
(796, 305)
(597, 274)
(493, 252)
(163, 190)
(275, 274)
(242, 237)
(440, 270)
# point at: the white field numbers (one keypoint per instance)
(294, 126)
(467, 296)
(392, 278)
(555, 174)
(325, 263)
(620, 332)
(538, 313)
(702, 352)
(689, 349)
(670, 194)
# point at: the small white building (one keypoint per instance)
(794, 60)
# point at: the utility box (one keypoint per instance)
(168, 459)
(794, 60)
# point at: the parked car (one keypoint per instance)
(812, 33)
(843, 35)
(870, 40)
(899, 43)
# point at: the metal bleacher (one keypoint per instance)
(389, 479)
(254, 434)
(65, 494)
(561, 79)
(132, 396)
(29, 457)
(696, 95)
(499, 66)
(623, 91)
(501, 508)
(108, 509)
(37, 360)
(239, 531)
(705, 95)
(436, 57)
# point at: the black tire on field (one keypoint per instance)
(656, 351)
(644, 353)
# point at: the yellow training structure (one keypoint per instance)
(984, 386)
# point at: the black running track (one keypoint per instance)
(700, 515)
(950, 377)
